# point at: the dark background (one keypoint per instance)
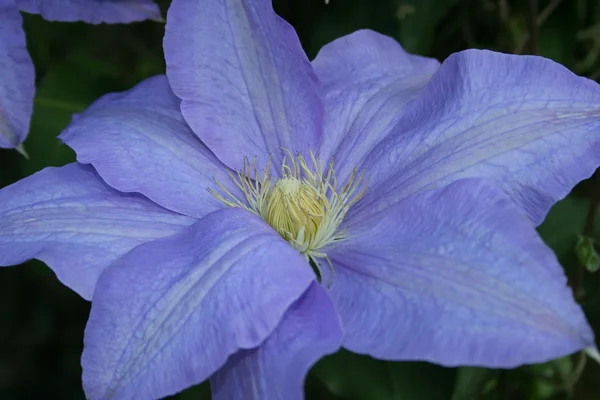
(42, 322)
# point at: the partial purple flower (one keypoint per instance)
(17, 86)
(92, 11)
(411, 188)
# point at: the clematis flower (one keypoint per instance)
(17, 85)
(251, 211)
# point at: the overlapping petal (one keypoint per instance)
(455, 276)
(169, 314)
(70, 219)
(138, 142)
(92, 11)
(368, 79)
(17, 84)
(276, 370)
(246, 86)
(524, 121)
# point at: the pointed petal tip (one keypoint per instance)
(539, 121)
(505, 263)
(593, 353)
(43, 217)
(21, 149)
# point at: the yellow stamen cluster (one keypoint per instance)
(292, 206)
(304, 205)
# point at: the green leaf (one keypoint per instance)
(417, 20)
(586, 253)
(198, 392)
(557, 38)
(354, 376)
(471, 382)
(342, 17)
(421, 380)
(556, 377)
(562, 224)
(68, 88)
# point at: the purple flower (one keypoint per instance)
(17, 85)
(421, 229)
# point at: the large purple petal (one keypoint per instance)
(368, 79)
(246, 84)
(276, 370)
(169, 314)
(455, 276)
(138, 142)
(524, 121)
(92, 11)
(17, 85)
(70, 219)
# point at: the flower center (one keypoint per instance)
(304, 205)
(292, 207)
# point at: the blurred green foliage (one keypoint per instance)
(42, 324)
